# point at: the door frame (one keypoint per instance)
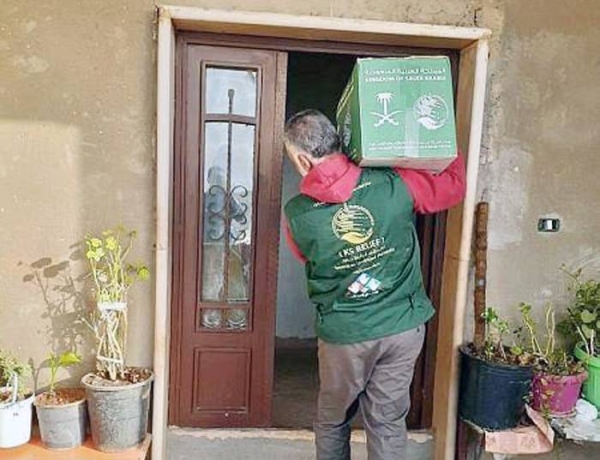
(473, 46)
(433, 226)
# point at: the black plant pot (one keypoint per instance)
(492, 396)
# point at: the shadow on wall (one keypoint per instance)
(65, 308)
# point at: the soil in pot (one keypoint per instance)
(118, 409)
(591, 387)
(62, 417)
(15, 419)
(492, 395)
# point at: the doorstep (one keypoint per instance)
(35, 451)
(261, 444)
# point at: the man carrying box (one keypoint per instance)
(354, 229)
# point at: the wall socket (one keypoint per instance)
(548, 224)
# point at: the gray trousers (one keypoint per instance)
(375, 376)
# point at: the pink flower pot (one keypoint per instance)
(557, 395)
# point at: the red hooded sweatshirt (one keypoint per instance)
(334, 180)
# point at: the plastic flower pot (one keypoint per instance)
(556, 395)
(591, 387)
(15, 419)
(118, 413)
(492, 395)
(62, 418)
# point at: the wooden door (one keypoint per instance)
(226, 227)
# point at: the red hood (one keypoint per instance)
(331, 181)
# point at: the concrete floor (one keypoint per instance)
(270, 444)
(296, 385)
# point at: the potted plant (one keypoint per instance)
(495, 379)
(558, 376)
(62, 413)
(15, 402)
(582, 326)
(118, 395)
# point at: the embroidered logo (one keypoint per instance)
(353, 224)
(364, 285)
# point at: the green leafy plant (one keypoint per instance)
(107, 255)
(497, 331)
(113, 275)
(582, 323)
(57, 362)
(548, 357)
(12, 371)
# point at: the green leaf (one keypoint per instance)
(69, 359)
(517, 350)
(587, 331)
(143, 273)
(525, 308)
(111, 243)
(588, 317)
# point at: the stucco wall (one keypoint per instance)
(77, 92)
(541, 152)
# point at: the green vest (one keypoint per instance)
(363, 263)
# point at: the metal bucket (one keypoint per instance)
(118, 415)
(62, 426)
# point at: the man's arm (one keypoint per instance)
(295, 250)
(436, 192)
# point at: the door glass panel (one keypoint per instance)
(225, 318)
(221, 82)
(241, 192)
(214, 199)
(227, 213)
(228, 193)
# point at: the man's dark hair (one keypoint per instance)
(312, 132)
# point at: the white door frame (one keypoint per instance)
(473, 46)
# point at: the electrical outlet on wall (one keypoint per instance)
(548, 224)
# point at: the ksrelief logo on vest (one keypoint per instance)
(353, 224)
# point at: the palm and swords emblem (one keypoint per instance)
(384, 99)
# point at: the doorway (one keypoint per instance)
(228, 368)
(316, 81)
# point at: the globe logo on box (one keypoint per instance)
(431, 111)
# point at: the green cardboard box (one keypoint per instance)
(399, 112)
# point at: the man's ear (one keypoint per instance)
(305, 163)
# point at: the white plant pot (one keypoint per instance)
(112, 306)
(15, 423)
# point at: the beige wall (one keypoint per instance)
(542, 150)
(77, 93)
